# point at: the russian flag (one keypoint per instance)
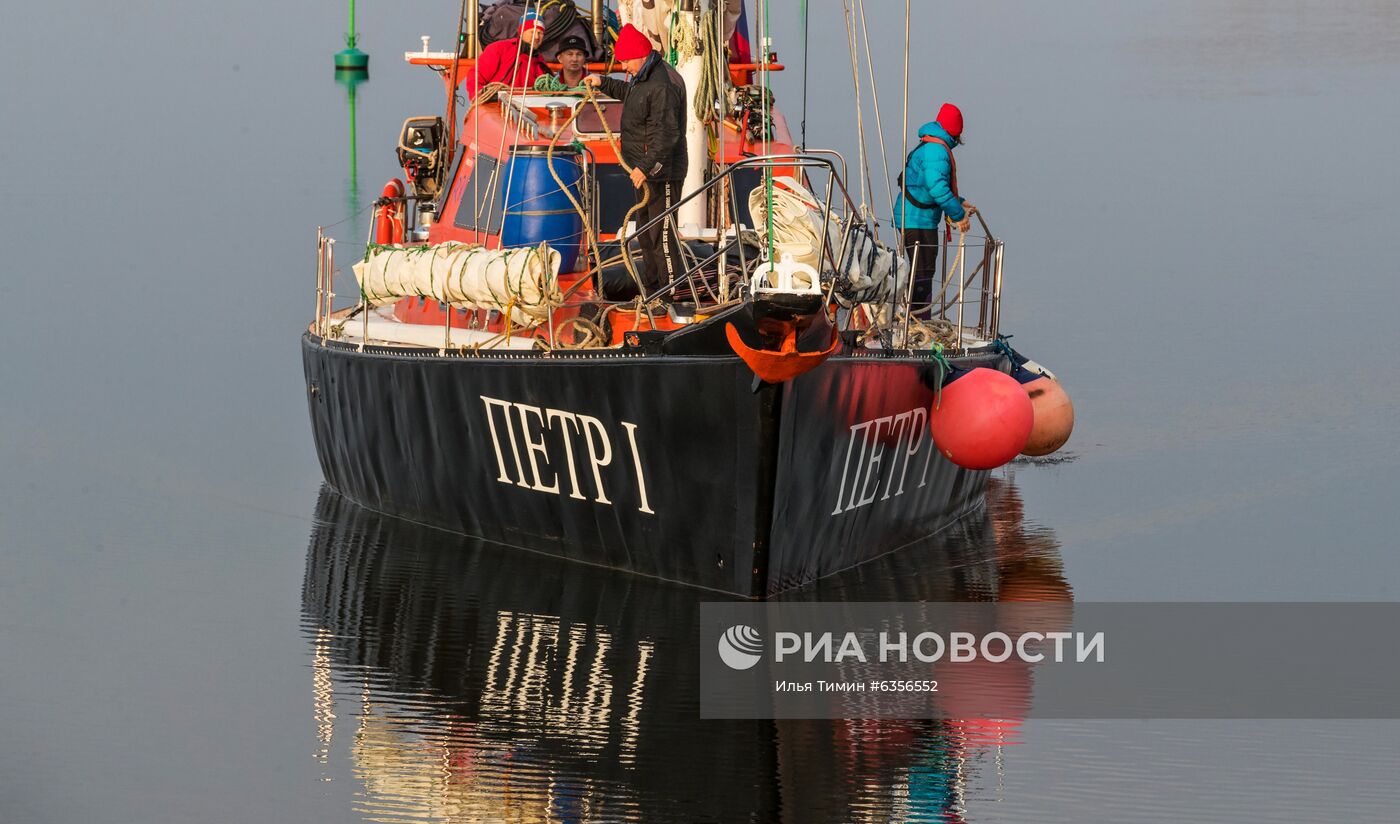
(740, 47)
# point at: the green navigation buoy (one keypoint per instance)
(351, 57)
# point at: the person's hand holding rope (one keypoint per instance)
(966, 223)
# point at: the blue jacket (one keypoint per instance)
(928, 176)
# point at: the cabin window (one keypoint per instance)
(451, 180)
(589, 123)
(479, 206)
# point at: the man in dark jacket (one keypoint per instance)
(653, 144)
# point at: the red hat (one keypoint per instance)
(950, 118)
(631, 44)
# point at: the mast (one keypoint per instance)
(473, 24)
(598, 23)
(691, 218)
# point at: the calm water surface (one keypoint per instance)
(1199, 201)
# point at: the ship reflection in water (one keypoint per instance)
(464, 682)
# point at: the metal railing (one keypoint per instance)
(730, 238)
(325, 282)
(970, 300)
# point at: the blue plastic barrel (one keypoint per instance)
(537, 209)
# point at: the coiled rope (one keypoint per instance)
(934, 332)
(713, 89)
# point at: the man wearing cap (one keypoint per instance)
(928, 193)
(514, 61)
(572, 57)
(653, 125)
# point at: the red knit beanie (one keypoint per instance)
(631, 44)
(950, 118)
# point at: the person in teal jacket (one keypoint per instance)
(928, 193)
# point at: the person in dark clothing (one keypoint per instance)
(929, 195)
(653, 130)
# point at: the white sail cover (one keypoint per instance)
(797, 220)
(869, 272)
(465, 275)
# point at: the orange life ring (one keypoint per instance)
(388, 216)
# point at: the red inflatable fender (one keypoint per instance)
(1054, 416)
(981, 419)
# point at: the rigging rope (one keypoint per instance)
(519, 121)
(590, 236)
(767, 122)
(904, 202)
(519, 130)
(452, 93)
(944, 370)
(904, 146)
(802, 10)
(860, 121)
(875, 100)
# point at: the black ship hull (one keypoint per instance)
(670, 466)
